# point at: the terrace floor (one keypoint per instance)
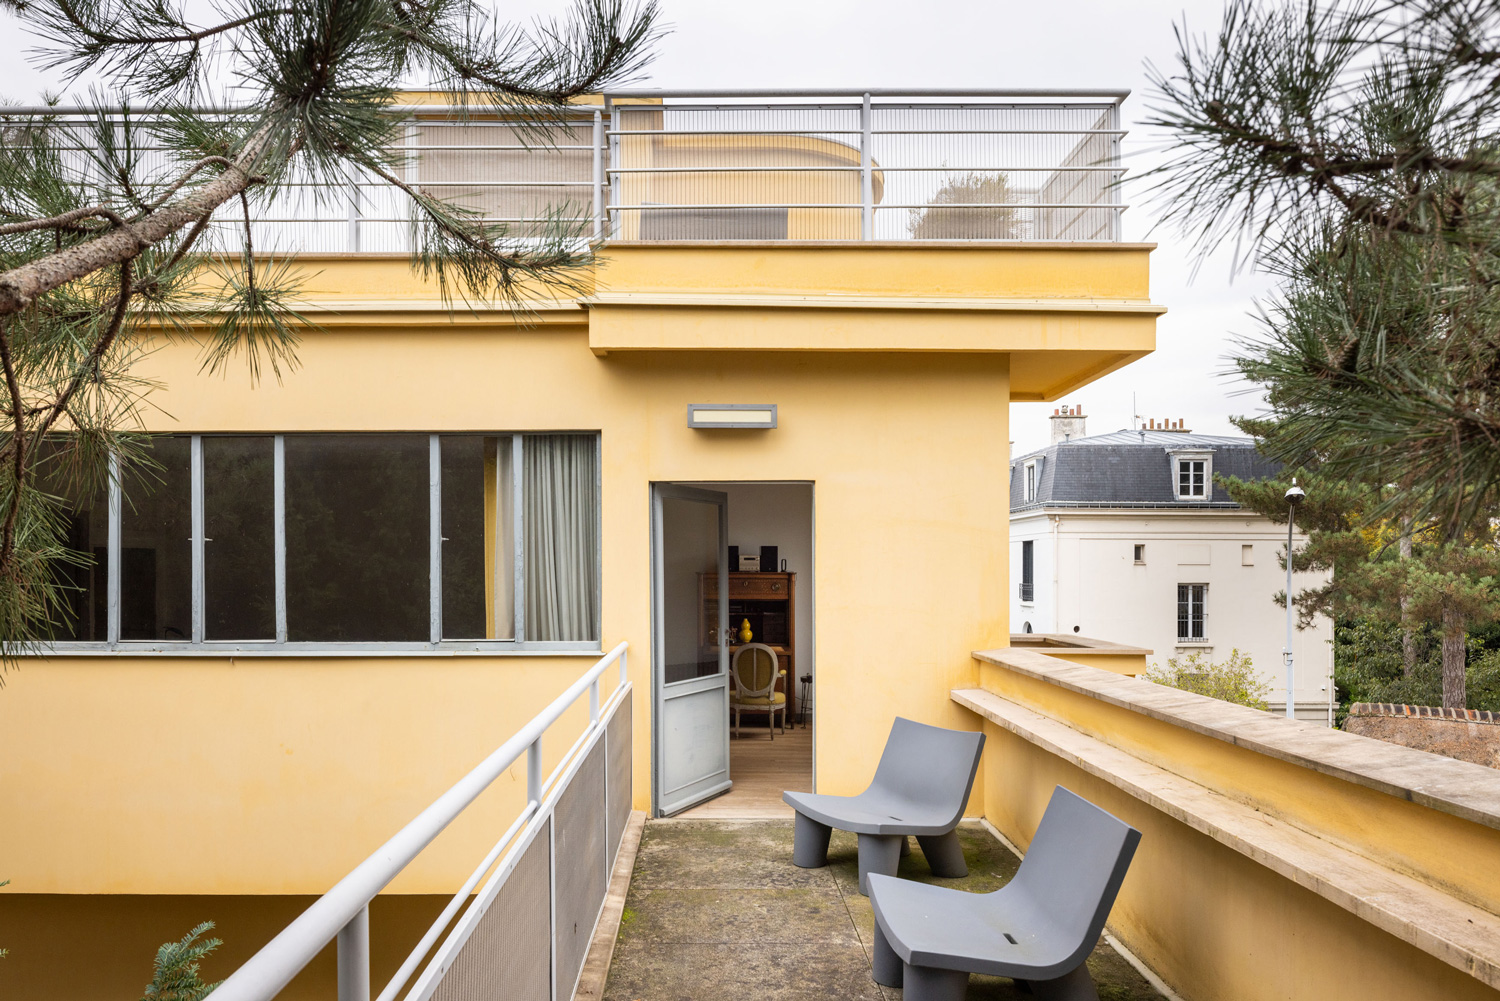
(716, 909)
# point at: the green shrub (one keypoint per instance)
(1233, 680)
(176, 975)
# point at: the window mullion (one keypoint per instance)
(195, 480)
(278, 489)
(517, 480)
(112, 574)
(435, 537)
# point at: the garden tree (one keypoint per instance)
(1449, 583)
(95, 261)
(964, 209)
(1356, 147)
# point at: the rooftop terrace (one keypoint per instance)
(1013, 166)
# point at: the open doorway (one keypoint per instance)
(775, 604)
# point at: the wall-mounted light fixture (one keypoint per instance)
(732, 415)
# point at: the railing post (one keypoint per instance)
(866, 175)
(598, 175)
(624, 674)
(354, 957)
(594, 701)
(353, 218)
(534, 771)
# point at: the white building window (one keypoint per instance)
(1194, 476)
(1140, 552)
(1029, 474)
(1192, 613)
(1028, 570)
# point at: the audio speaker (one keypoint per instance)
(768, 559)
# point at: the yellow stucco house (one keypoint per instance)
(348, 586)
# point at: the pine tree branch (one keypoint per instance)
(105, 38)
(18, 457)
(20, 286)
(90, 364)
(65, 221)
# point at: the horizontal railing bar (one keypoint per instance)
(46, 111)
(281, 959)
(879, 205)
(1104, 94)
(874, 132)
(877, 168)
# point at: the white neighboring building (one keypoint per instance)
(1124, 536)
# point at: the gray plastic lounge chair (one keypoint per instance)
(1038, 928)
(920, 788)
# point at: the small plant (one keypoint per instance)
(1233, 680)
(176, 976)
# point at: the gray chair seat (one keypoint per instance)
(1039, 928)
(920, 787)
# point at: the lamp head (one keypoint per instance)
(1295, 494)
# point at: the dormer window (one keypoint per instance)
(1029, 475)
(1193, 475)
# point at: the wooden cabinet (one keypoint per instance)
(769, 601)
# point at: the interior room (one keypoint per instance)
(764, 763)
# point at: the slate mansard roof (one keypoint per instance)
(1131, 469)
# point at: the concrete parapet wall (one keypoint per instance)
(1465, 734)
(1278, 857)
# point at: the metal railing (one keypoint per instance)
(914, 165)
(528, 928)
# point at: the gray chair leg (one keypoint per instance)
(810, 843)
(945, 856)
(1076, 985)
(927, 983)
(905, 847)
(878, 853)
(887, 966)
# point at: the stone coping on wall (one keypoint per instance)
(1457, 932)
(1459, 788)
(1058, 644)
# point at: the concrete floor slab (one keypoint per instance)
(717, 910)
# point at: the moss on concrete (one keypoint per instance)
(717, 910)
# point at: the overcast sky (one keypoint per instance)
(963, 43)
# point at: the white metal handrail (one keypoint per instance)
(1053, 157)
(343, 912)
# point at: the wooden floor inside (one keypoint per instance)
(761, 769)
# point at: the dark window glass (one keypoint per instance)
(1192, 611)
(469, 492)
(80, 611)
(1028, 569)
(156, 553)
(239, 549)
(357, 538)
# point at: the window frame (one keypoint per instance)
(1138, 553)
(1196, 455)
(1028, 482)
(198, 646)
(1202, 606)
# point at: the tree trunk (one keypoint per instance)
(1408, 635)
(1455, 695)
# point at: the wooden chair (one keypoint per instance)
(755, 670)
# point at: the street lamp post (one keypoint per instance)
(1294, 496)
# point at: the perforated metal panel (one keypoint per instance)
(582, 871)
(619, 791)
(508, 955)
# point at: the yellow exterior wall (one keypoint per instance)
(1128, 664)
(303, 766)
(1215, 925)
(231, 778)
(1214, 922)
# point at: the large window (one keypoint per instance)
(405, 540)
(1194, 477)
(1192, 613)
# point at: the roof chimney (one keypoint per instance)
(1067, 423)
(1167, 424)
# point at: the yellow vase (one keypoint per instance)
(745, 634)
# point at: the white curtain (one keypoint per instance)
(560, 487)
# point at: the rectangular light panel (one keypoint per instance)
(732, 415)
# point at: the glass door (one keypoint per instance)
(689, 658)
